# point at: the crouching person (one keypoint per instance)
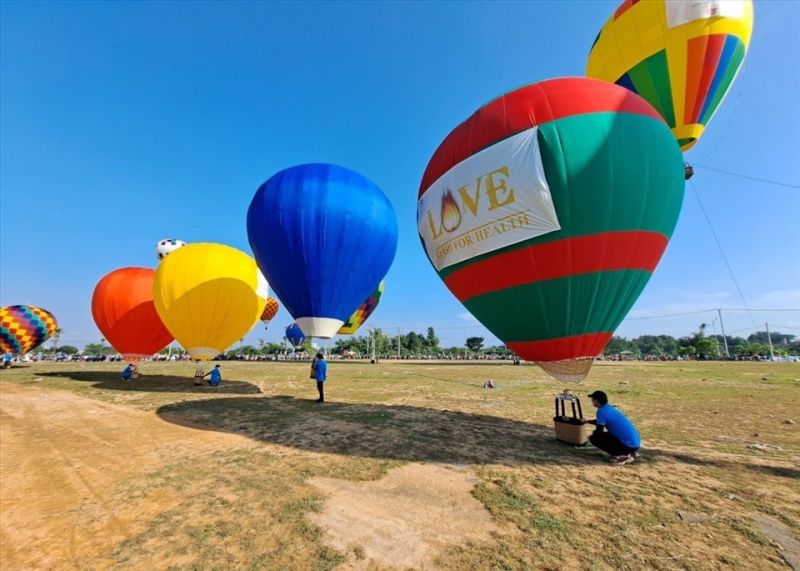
(614, 432)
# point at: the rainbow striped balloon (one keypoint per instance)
(24, 327)
(546, 212)
(681, 56)
(363, 312)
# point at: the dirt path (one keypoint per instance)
(61, 454)
(402, 519)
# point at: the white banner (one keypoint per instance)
(681, 12)
(493, 199)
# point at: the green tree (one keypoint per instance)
(68, 350)
(98, 350)
(777, 338)
(617, 345)
(433, 340)
(474, 343)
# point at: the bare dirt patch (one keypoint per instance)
(63, 457)
(402, 520)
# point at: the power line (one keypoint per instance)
(721, 250)
(748, 177)
(669, 315)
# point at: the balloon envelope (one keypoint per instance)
(207, 296)
(682, 57)
(546, 212)
(363, 312)
(167, 246)
(24, 327)
(124, 312)
(295, 335)
(271, 308)
(324, 236)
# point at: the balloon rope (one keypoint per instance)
(764, 180)
(722, 251)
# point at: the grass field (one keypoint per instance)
(409, 465)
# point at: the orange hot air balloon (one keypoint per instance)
(123, 309)
(270, 310)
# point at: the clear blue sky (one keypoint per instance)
(124, 123)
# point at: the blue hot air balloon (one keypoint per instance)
(295, 335)
(323, 235)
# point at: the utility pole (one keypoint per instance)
(724, 338)
(769, 338)
(716, 341)
(398, 343)
(372, 338)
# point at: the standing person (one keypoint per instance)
(321, 373)
(214, 376)
(622, 440)
(127, 372)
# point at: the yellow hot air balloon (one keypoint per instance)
(209, 296)
(681, 56)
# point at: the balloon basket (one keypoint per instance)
(572, 429)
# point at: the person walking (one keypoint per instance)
(621, 440)
(321, 374)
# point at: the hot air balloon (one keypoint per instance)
(208, 297)
(546, 212)
(123, 309)
(324, 236)
(270, 310)
(363, 312)
(165, 247)
(295, 335)
(681, 56)
(24, 327)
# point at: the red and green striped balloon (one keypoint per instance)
(616, 182)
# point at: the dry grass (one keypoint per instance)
(244, 498)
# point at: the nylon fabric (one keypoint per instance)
(324, 236)
(683, 68)
(124, 312)
(207, 296)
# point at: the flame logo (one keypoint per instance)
(451, 215)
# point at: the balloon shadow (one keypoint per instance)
(154, 383)
(396, 432)
(411, 433)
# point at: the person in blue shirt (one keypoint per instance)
(614, 434)
(7, 360)
(214, 376)
(127, 372)
(320, 374)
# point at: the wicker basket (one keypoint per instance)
(570, 429)
(572, 433)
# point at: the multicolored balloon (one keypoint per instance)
(324, 236)
(362, 313)
(681, 56)
(295, 335)
(546, 212)
(208, 296)
(270, 310)
(166, 247)
(24, 327)
(124, 312)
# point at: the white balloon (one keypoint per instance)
(165, 247)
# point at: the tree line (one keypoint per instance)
(413, 344)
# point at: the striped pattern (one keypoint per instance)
(24, 327)
(684, 71)
(616, 180)
(363, 312)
